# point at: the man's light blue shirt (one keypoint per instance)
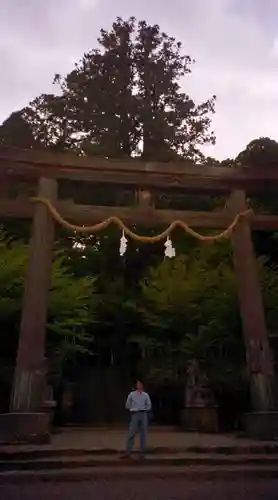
(138, 401)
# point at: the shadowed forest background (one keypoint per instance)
(111, 318)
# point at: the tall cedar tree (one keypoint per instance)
(125, 99)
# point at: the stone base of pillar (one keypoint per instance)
(28, 390)
(263, 392)
(261, 425)
(25, 428)
(200, 419)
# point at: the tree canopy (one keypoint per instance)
(15, 131)
(259, 153)
(123, 98)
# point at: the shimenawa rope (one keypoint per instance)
(144, 239)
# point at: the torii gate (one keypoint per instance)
(34, 173)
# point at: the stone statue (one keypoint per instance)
(197, 392)
(200, 412)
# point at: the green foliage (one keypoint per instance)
(187, 289)
(70, 307)
(123, 94)
(190, 304)
(48, 117)
(15, 131)
(13, 259)
(269, 284)
(259, 153)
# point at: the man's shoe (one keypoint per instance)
(125, 456)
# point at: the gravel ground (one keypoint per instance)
(164, 489)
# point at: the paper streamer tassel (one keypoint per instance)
(170, 252)
(123, 244)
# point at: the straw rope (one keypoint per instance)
(144, 239)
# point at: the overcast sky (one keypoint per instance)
(234, 43)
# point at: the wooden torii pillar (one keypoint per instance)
(259, 359)
(29, 378)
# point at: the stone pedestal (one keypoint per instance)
(200, 419)
(261, 425)
(25, 428)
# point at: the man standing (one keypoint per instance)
(139, 404)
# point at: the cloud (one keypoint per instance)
(37, 40)
(234, 42)
(232, 48)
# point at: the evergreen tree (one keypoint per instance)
(125, 98)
